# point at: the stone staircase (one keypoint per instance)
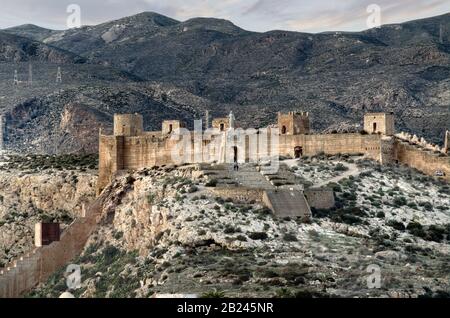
(247, 176)
(287, 203)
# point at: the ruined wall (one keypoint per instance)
(322, 198)
(239, 194)
(424, 160)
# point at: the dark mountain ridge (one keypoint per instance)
(335, 76)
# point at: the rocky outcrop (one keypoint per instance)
(162, 232)
(27, 198)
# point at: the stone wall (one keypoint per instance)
(239, 194)
(352, 143)
(423, 160)
(321, 198)
(387, 153)
(152, 149)
(21, 275)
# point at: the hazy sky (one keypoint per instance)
(255, 15)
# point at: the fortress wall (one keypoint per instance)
(343, 143)
(331, 144)
(387, 154)
(21, 275)
(425, 161)
(139, 152)
(109, 160)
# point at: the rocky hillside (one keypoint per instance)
(16, 49)
(40, 188)
(401, 68)
(31, 31)
(168, 233)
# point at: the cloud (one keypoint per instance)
(353, 16)
(255, 15)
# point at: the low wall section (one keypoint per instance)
(426, 161)
(21, 275)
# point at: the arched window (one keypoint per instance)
(222, 127)
(374, 127)
(283, 130)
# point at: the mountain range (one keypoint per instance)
(164, 68)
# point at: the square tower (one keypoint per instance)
(221, 124)
(293, 123)
(379, 123)
(169, 126)
(128, 125)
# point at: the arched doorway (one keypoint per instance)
(298, 152)
(283, 130)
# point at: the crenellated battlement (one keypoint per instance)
(130, 147)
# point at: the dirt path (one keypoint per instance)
(353, 170)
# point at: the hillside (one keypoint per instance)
(31, 31)
(401, 68)
(168, 233)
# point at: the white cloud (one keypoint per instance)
(256, 15)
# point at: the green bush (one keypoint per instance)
(380, 214)
(257, 235)
(426, 205)
(290, 237)
(399, 201)
(213, 294)
(230, 230)
(211, 183)
(340, 167)
(416, 229)
(396, 225)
